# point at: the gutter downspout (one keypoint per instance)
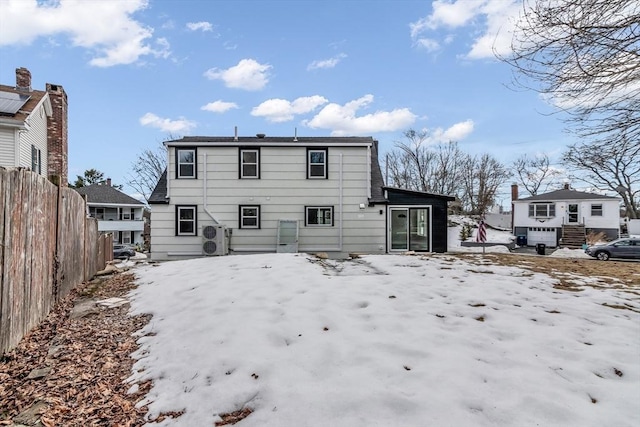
(204, 189)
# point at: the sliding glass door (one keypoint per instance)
(409, 229)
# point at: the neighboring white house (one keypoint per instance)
(23, 128)
(116, 212)
(33, 128)
(286, 194)
(564, 217)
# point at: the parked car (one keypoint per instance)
(123, 252)
(621, 248)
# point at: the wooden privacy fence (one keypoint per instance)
(48, 245)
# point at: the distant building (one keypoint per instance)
(34, 129)
(116, 212)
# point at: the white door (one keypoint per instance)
(544, 235)
(287, 236)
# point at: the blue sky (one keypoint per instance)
(138, 71)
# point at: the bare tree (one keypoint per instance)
(147, 170)
(418, 165)
(614, 167)
(584, 57)
(535, 173)
(481, 178)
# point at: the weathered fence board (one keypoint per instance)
(47, 247)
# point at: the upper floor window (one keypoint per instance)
(542, 210)
(249, 216)
(186, 220)
(321, 216)
(596, 210)
(317, 163)
(249, 163)
(36, 160)
(186, 163)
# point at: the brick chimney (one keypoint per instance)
(566, 186)
(109, 182)
(57, 136)
(23, 79)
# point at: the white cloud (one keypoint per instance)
(492, 23)
(200, 26)
(219, 106)
(457, 132)
(248, 75)
(106, 28)
(326, 63)
(342, 119)
(281, 110)
(430, 45)
(181, 125)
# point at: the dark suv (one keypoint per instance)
(621, 248)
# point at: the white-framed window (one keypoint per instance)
(542, 210)
(36, 160)
(317, 163)
(186, 163)
(250, 216)
(249, 163)
(126, 237)
(596, 209)
(318, 216)
(186, 220)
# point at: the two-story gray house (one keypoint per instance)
(287, 194)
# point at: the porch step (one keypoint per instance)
(573, 236)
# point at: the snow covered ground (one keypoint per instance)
(384, 340)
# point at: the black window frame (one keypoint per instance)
(241, 216)
(195, 162)
(323, 150)
(36, 160)
(241, 164)
(307, 223)
(600, 210)
(179, 208)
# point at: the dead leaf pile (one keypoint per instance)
(70, 370)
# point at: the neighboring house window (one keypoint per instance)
(249, 163)
(36, 160)
(97, 213)
(317, 163)
(596, 210)
(249, 216)
(186, 219)
(542, 210)
(186, 163)
(321, 216)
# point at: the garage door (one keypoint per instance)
(544, 235)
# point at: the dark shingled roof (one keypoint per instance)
(159, 194)
(565, 194)
(377, 182)
(102, 193)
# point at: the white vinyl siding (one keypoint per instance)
(8, 147)
(36, 136)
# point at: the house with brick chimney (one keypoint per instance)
(564, 217)
(33, 128)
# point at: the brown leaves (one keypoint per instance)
(88, 359)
